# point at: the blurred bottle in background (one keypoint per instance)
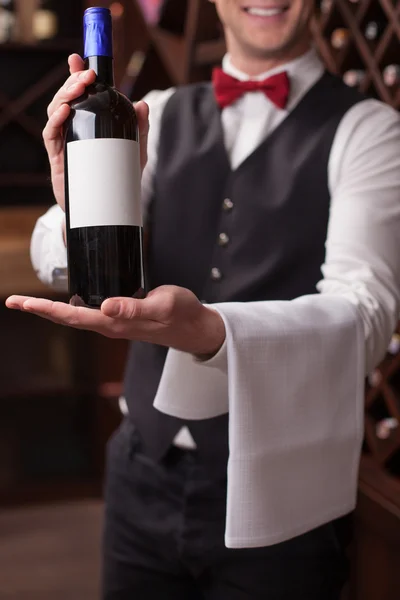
(340, 38)
(391, 75)
(374, 30)
(354, 77)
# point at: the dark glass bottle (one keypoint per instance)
(102, 181)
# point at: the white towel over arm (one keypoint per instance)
(294, 391)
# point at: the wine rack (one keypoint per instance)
(362, 36)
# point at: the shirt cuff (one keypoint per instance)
(48, 250)
(188, 391)
(220, 359)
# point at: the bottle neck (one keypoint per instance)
(103, 67)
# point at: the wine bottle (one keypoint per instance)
(374, 29)
(340, 38)
(391, 75)
(354, 77)
(102, 181)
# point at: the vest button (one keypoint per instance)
(227, 204)
(223, 239)
(216, 274)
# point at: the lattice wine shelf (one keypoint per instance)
(360, 41)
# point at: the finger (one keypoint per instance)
(153, 308)
(77, 317)
(16, 302)
(52, 131)
(21, 303)
(72, 89)
(142, 112)
(131, 319)
(122, 308)
(75, 63)
(128, 309)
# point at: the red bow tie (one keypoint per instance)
(227, 89)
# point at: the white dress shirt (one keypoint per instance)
(291, 374)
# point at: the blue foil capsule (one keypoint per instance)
(97, 32)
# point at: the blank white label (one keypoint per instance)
(104, 183)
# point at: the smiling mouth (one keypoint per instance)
(257, 11)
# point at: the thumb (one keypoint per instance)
(75, 63)
(124, 308)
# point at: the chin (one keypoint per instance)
(267, 49)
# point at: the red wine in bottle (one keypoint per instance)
(102, 181)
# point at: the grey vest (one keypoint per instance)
(273, 211)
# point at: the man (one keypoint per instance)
(250, 189)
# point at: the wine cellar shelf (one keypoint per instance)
(363, 38)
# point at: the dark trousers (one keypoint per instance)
(164, 537)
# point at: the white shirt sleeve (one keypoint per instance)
(291, 374)
(48, 251)
(362, 260)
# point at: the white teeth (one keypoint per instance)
(265, 12)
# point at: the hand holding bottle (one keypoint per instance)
(58, 112)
